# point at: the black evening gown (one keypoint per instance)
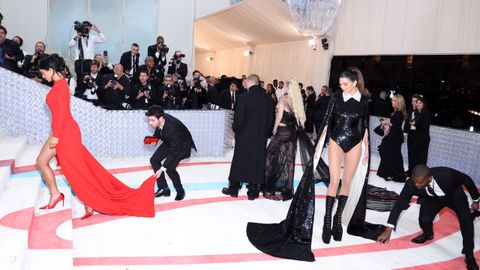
(292, 238)
(391, 159)
(280, 157)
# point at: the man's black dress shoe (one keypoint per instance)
(252, 195)
(422, 238)
(162, 192)
(230, 191)
(180, 195)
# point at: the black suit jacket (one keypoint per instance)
(126, 61)
(177, 137)
(212, 95)
(320, 108)
(225, 99)
(114, 96)
(11, 48)
(182, 70)
(448, 179)
(159, 62)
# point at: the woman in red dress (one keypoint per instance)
(98, 189)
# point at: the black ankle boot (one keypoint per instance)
(231, 190)
(327, 219)
(337, 230)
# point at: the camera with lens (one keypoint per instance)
(163, 48)
(89, 82)
(82, 28)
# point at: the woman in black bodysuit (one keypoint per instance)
(347, 119)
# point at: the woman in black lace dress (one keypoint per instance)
(282, 149)
(391, 160)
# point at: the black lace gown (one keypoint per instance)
(280, 157)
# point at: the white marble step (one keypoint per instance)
(12, 147)
(61, 257)
(17, 203)
(4, 177)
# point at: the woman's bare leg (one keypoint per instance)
(43, 160)
(352, 159)
(335, 158)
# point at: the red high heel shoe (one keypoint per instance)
(61, 197)
(88, 214)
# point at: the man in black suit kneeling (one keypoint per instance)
(440, 187)
(176, 145)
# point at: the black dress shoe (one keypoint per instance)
(471, 262)
(231, 191)
(180, 195)
(422, 238)
(162, 192)
(252, 195)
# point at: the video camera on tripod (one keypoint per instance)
(82, 28)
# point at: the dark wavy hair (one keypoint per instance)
(156, 111)
(55, 62)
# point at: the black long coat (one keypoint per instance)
(252, 124)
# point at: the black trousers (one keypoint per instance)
(410, 151)
(82, 67)
(160, 154)
(458, 202)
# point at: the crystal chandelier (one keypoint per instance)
(314, 17)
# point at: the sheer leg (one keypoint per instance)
(43, 160)
(335, 157)
(352, 159)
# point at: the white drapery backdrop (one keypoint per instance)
(363, 27)
(280, 61)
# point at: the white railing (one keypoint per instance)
(104, 133)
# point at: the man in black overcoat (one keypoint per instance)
(177, 144)
(253, 122)
(439, 187)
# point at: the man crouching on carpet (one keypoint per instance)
(177, 144)
(440, 187)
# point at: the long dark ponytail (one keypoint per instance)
(354, 74)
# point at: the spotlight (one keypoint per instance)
(209, 59)
(247, 52)
(311, 42)
(325, 43)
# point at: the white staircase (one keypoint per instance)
(30, 238)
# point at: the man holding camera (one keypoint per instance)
(30, 68)
(176, 65)
(159, 53)
(10, 52)
(84, 44)
(114, 89)
(177, 144)
(87, 88)
(140, 93)
(168, 96)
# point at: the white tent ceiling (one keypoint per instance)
(248, 23)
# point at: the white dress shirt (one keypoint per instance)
(87, 45)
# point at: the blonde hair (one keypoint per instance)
(401, 105)
(295, 100)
